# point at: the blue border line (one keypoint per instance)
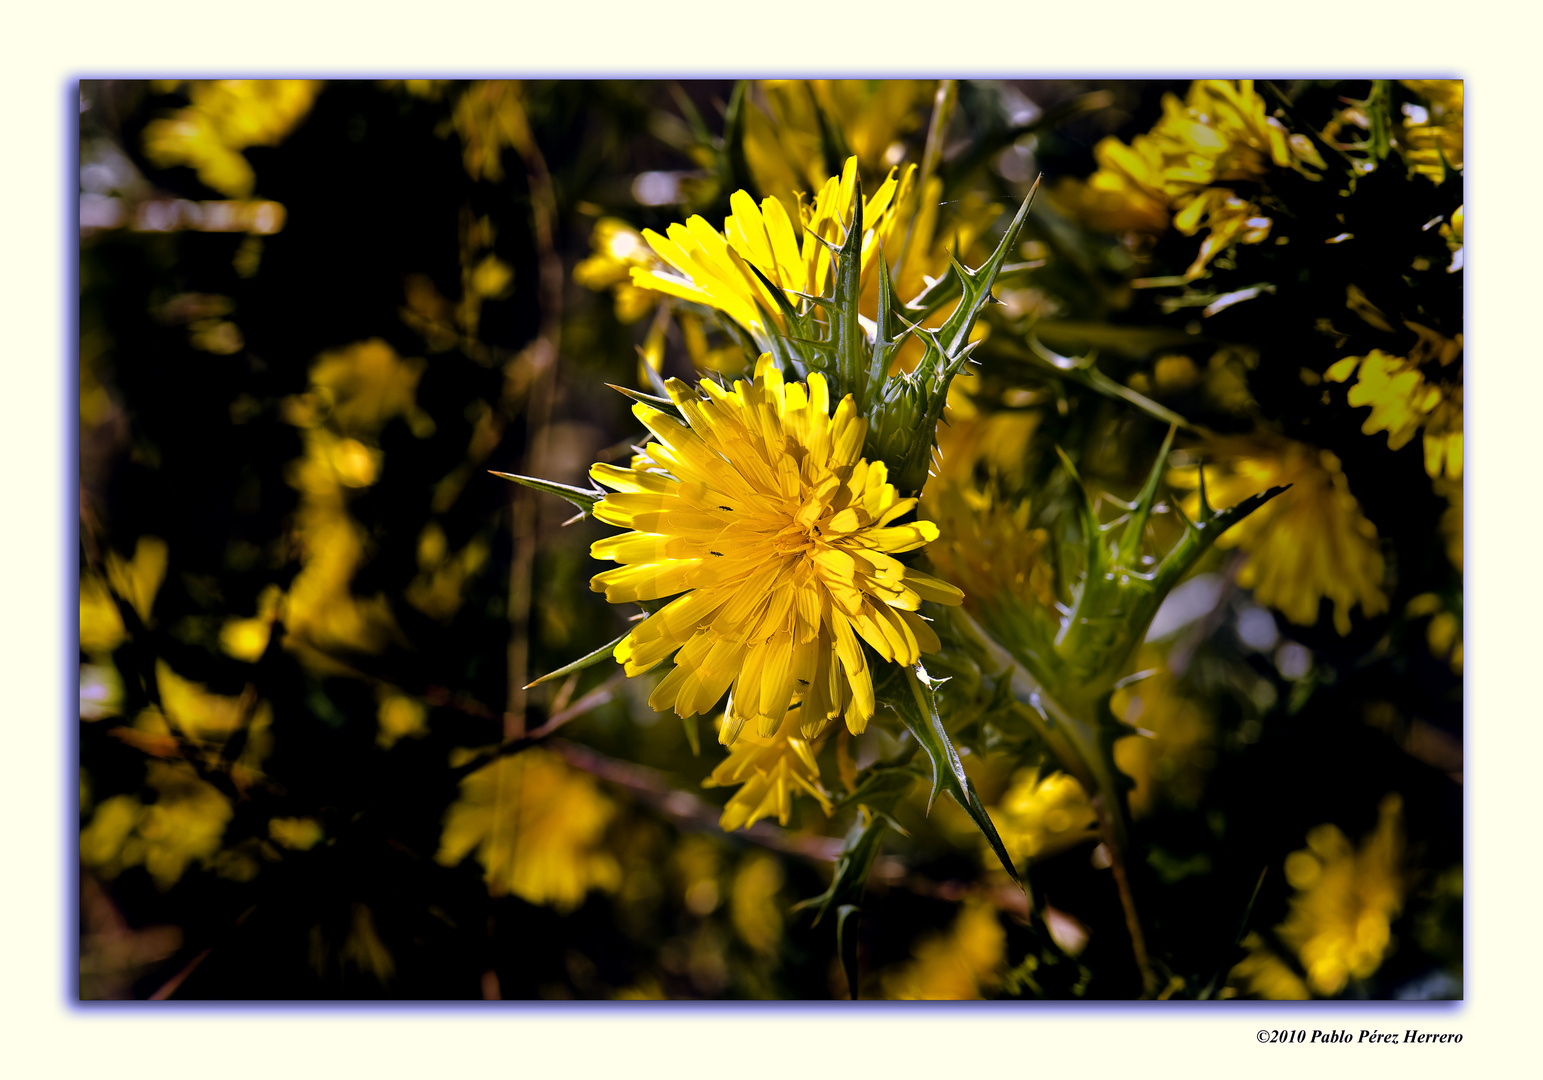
(69, 584)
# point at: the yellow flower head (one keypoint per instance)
(762, 511)
(712, 268)
(1309, 543)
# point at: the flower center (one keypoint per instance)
(797, 539)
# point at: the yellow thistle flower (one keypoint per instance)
(772, 771)
(762, 511)
(1309, 543)
(1341, 916)
(711, 268)
(1403, 401)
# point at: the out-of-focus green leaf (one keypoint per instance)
(846, 945)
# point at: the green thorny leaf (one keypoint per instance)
(583, 499)
(910, 694)
(1062, 686)
(858, 851)
(601, 654)
(903, 410)
(1038, 359)
(840, 348)
(903, 421)
(1114, 602)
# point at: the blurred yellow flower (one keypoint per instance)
(1040, 816)
(184, 825)
(772, 768)
(1176, 174)
(489, 117)
(225, 117)
(754, 903)
(437, 590)
(1403, 401)
(1170, 764)
(1308, 544)
(1443, 634)
(963, 965)
(618, 247)
(783, 143)
(247, 639)
(399, 717)
(101, 626)
(1263, 974)
(985, 539)
(761, 510)
(1426, 140)
(355, 391)
(298, 834)
(536, 827)
(207, 721)
(1341, 915)
(136, 581)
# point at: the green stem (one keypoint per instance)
(1074, 740)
